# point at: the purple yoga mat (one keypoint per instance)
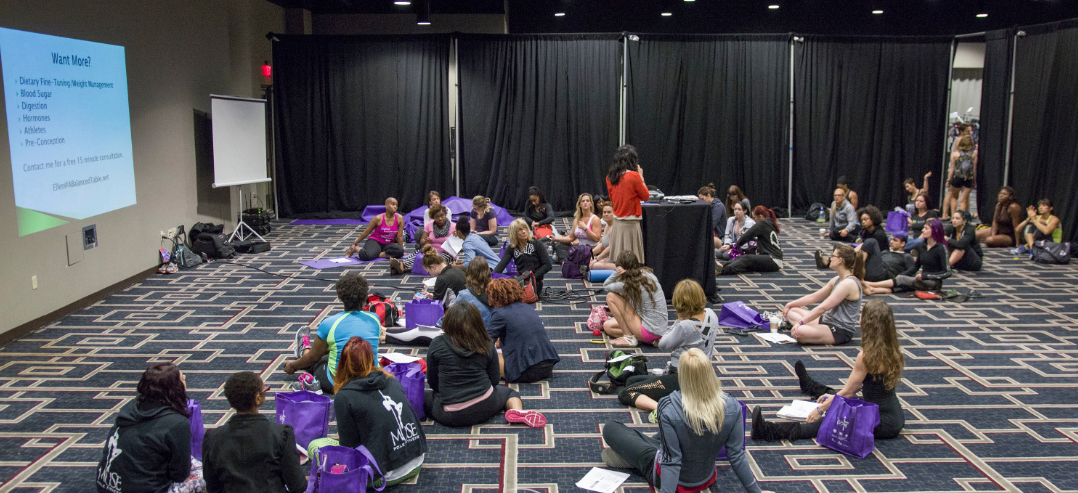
(325, 263)
(370, 211)
(308, 222)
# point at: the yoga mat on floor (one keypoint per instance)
(326, 263)
(308, 222)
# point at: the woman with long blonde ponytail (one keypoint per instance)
(694, 423)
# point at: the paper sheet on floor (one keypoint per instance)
(602, 480)
(775, 337)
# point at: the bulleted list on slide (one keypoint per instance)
(69, 127)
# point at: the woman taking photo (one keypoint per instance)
(876, 373)
(373, 411)
(965, 250)
(529, 255)
(149, 447)
(1007, 215)
(464, 376)
(768, 256)
(932, 261)
(625, 185)
(736, 226)
(636, 303)
(834, 320)
(587, 227)
(694, 423)
(527, 354)
(384, 237)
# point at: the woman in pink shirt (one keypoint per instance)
(384, 237)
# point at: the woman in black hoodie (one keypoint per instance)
(463, 373)
(768, 256)
(373, 411)
(149, 447)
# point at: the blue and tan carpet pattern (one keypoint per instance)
(990, 387)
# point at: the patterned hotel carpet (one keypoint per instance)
(989, 388)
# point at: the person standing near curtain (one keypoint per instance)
(961, 176)
(625, 185)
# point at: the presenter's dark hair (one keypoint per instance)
(162, 383)
(625, 159)
(242, 389)
(352, 290)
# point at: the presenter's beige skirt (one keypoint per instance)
(626, 235)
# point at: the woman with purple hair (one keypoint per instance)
(932, 261)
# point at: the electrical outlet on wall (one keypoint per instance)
(33, 282)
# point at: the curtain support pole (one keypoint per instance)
(790, 170)
(624, 86)
(947, 127)
(456, 119)
(1010, 110)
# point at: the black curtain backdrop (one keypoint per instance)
(992, 140)
(872, 109)
(1044, 151)
(360, 119)
(711, 109)
(537, 110)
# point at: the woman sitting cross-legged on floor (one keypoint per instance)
(372, 411)
(1040, 225)
(932, 261)
(464, 376)
(768, 256)
(601, 252)
(384, 236)
(694, 423)
(527, 354)
(530, 255)
(695, 327)
(587, 226)
(636, 303)
(434, 234)
(876, 373)
(834, 320)
(966, 253)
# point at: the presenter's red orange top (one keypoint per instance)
(627, 194)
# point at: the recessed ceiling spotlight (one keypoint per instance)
(667, 14)
(402, 2)
(559, 14)
(690, 0)
(877, 12)
(773, 7)
(982, 15)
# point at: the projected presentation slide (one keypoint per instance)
(69, 128)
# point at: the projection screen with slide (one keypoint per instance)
(239, 140)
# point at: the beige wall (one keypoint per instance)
(178, 52)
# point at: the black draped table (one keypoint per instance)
(678, 245)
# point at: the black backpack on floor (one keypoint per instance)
(213, 246)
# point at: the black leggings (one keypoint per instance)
(750, 263)
(836, 235)
(319, 370)
(875, 270)
(371, 250)
(477, 413)
(539, 371)
(491, 240)
(969, 261)
(892, 419)
(635, 447)
(655, 387)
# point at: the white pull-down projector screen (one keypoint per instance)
(239, 140)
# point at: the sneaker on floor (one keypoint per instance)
(612, 459)
(396, 267)
(653, 417)
(530, 418)
(306, 381)
(303, 340)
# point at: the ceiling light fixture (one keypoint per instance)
(690, 0)
(559, 14)
(422, 15)
(402, 2)
(667, 14)
(982, 15)
(773, 7)
(877, 12)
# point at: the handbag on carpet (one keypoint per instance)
(544, 230)
(412, 378)
(385, 309)
(619, 365)
(307, 412)
(198, 429)
(596, 318)
(421, 311)
(1049, 252)
(531, 294)
(344, 470)
(848, 427)
(736, 314)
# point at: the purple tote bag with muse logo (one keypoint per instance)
(307, 412)
(848, 427)
(412, 378)
(344, 470)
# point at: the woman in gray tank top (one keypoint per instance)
(835, 319)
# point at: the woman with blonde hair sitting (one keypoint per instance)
(876, 374)
(530, 256)
(694, 423)
(483, 220)
(587, 226)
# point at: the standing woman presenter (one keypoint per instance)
(625, 185)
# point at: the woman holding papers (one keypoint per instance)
(694, 423)
(875, 373)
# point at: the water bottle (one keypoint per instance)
(823, 216)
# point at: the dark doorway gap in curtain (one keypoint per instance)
(1044, 152)
(711, 109)
(537, 110)
(992, 139)
(360, 118)
(872, 109)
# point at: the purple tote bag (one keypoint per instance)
(198, 429)
(897, 222)
(307, 412)
(744, 412)
(421, 311)
(736, 314)
(848, 427)
(412, 378)
(511, 267)
(417, 266)
(344, 470)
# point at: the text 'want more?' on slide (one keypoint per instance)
(69, 128)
